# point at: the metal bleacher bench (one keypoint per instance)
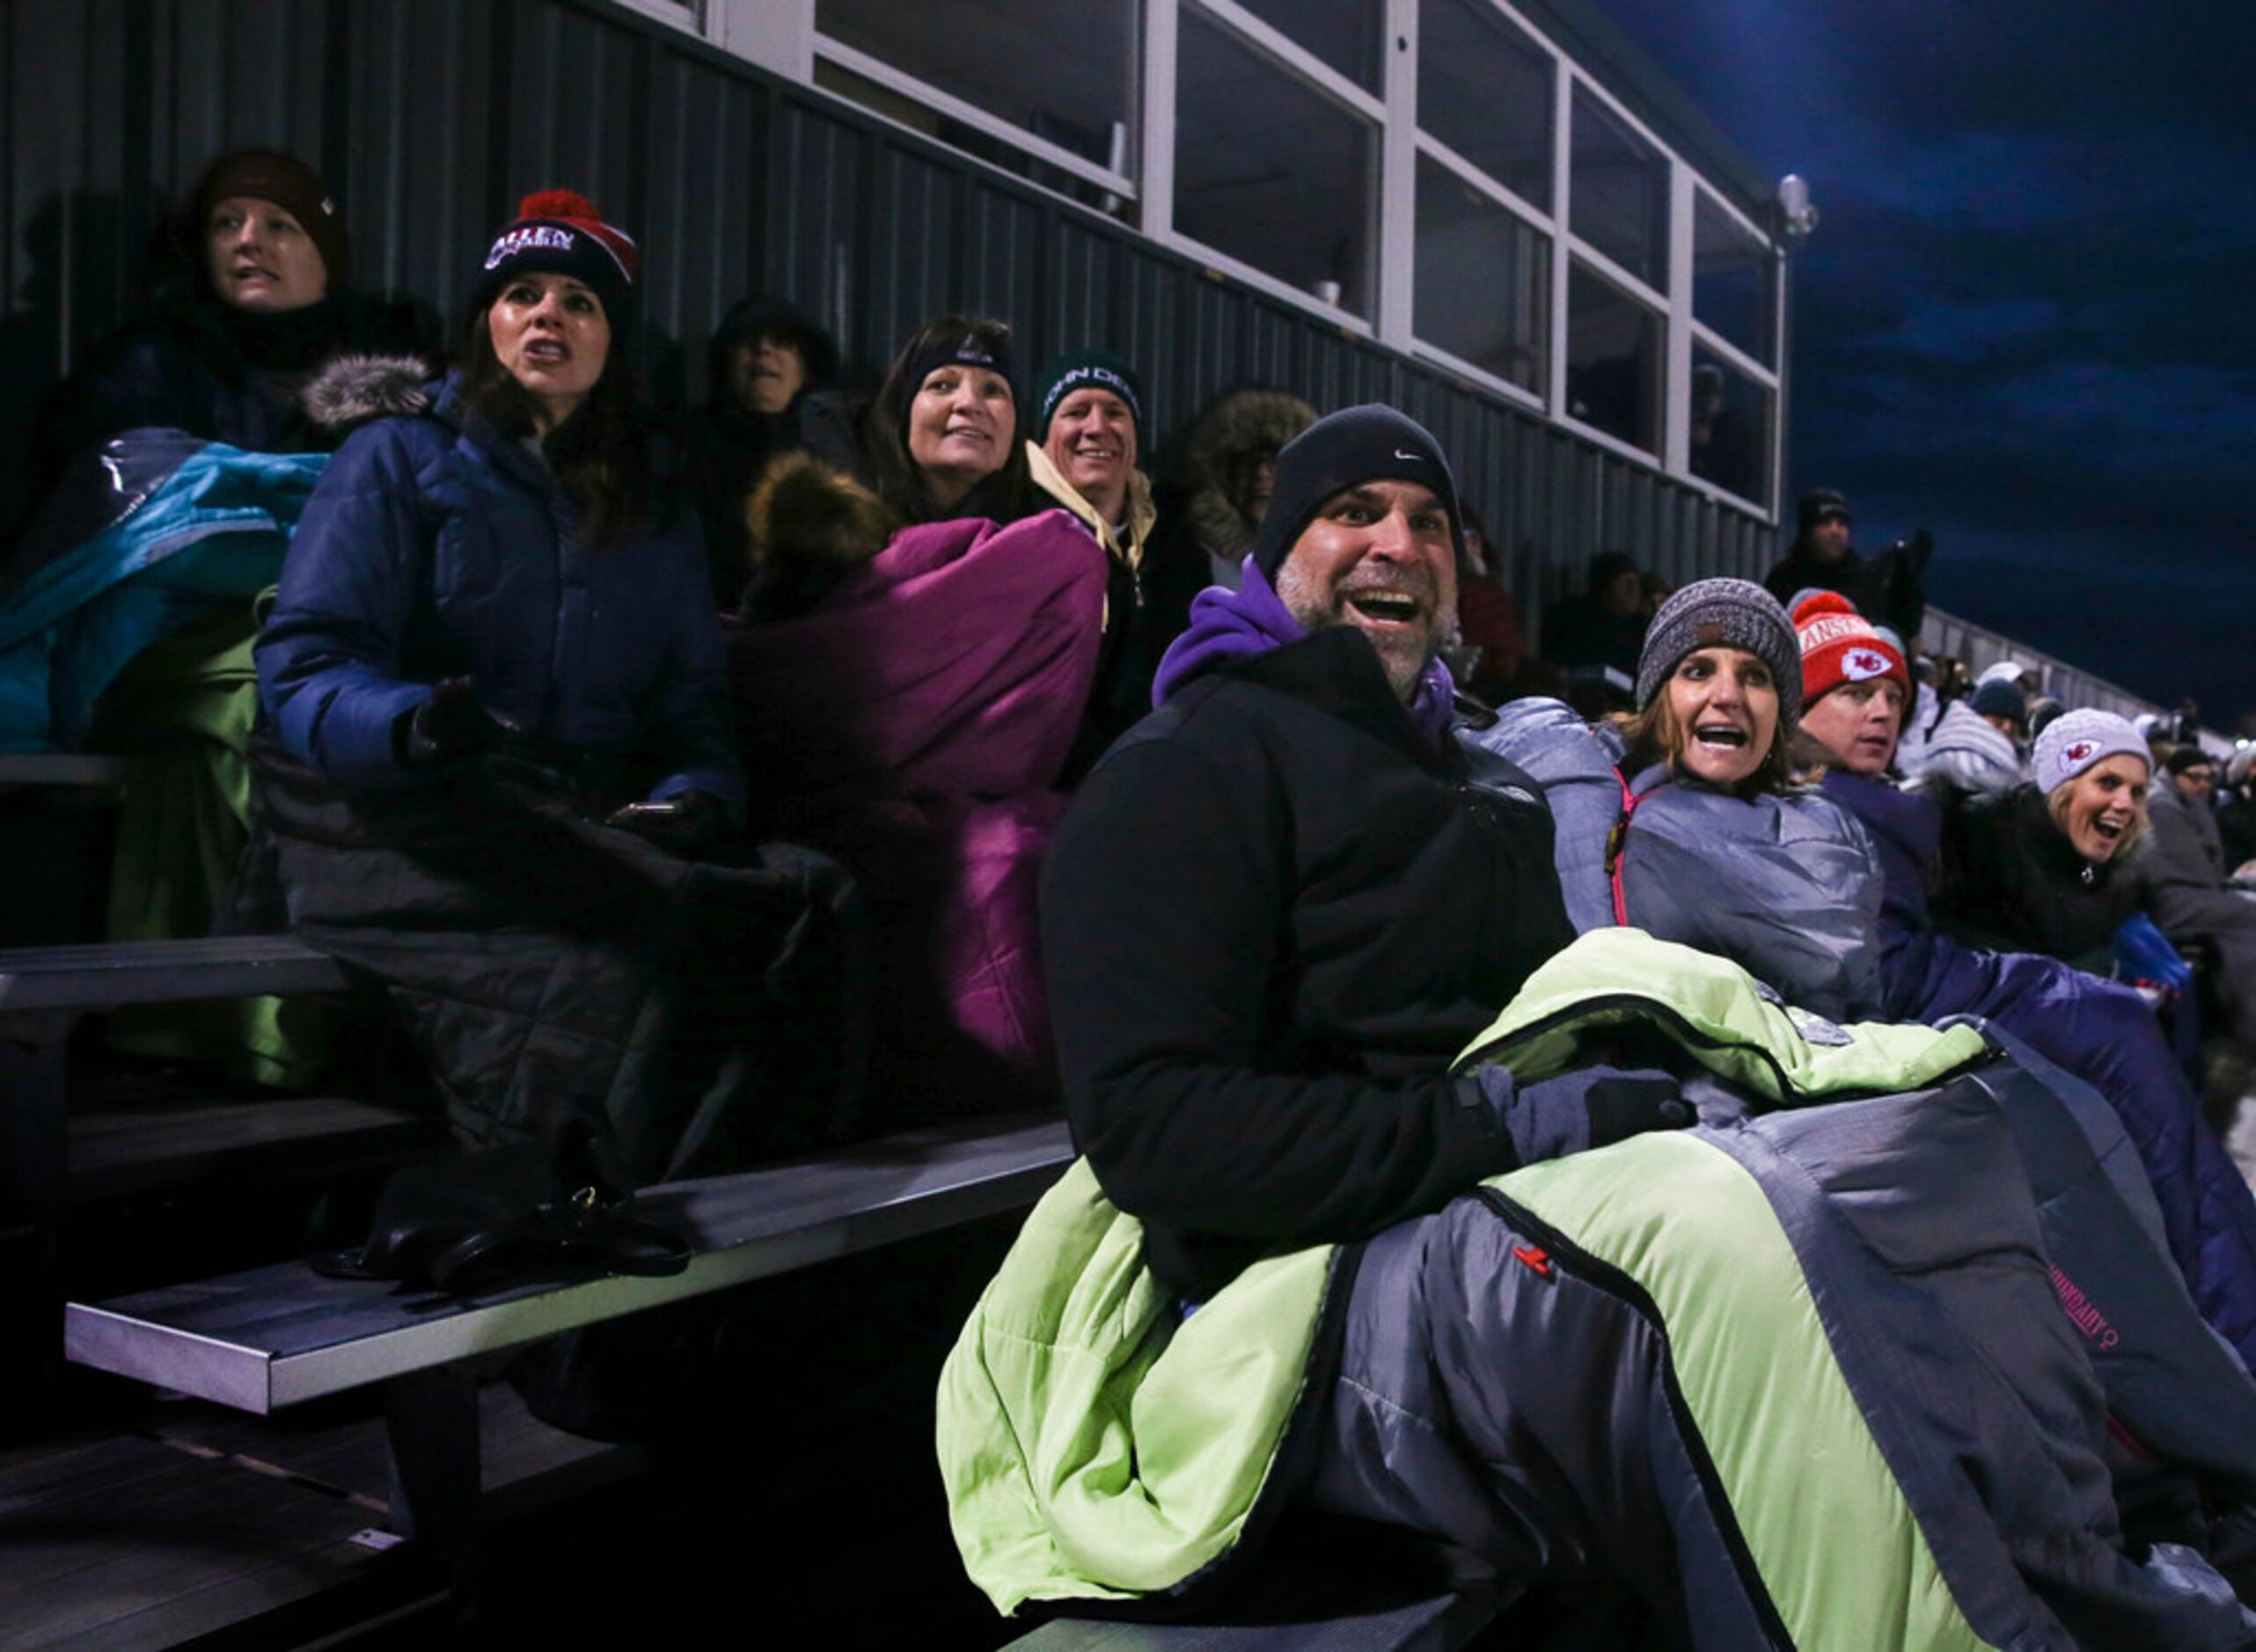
(44, 991)
(278, 1335)
(98, 770)
(274, 1336)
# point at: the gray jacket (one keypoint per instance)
(1787, 886)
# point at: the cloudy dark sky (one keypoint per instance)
(2028, 316)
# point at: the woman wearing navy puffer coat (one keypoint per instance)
(501, 771)
(1854, 683)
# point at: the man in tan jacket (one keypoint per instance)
(1086, 416)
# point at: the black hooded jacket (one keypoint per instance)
(732, 446)
(191, 362)
(1271, 919)
(1889, 589)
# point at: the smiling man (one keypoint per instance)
(1276, 913)
(1086, 428)
(1285, 900)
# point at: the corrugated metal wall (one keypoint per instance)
(431, 117)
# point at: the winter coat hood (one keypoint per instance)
(748, 315)
(1240, 427)
(352, 390)
(1127, 547)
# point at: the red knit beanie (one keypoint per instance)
(1840, 646)
(557, 231)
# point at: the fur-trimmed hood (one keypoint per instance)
(1234, 431)
(808, 525)
(352, 390)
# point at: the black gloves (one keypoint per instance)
(681, 824)
(1576, 1111)
(448, 727)
(1620, 1105)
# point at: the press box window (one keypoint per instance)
(1729, 425)
(1486, 89)
(1614, 358)
(1734, 280)
(1483, 282)
(1062, 73)
(1619, 186)
(1348, 35)
(1270, 171)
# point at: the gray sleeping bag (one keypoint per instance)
(1787, 888)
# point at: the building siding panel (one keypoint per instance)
(434, 116)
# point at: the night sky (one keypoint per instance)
(2027, 318)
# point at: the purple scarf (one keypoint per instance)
(1228, 624)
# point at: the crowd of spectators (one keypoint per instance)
(726, 782)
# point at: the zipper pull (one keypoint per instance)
(1615, 839)
(1536, 1261)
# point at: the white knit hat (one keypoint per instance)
(2074, 741)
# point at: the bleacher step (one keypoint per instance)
(200, 1522)
(120, 1152)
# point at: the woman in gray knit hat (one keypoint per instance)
(1679, 820)
(1719, 689)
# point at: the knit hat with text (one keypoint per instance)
(1085, 370)
(1839, 645)
(559, 232)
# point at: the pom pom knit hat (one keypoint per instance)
(557, 231)
(1839, 645)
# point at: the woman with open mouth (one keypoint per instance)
(500, 774)
(2047, 867)
(1675, 820)
(1686, 817)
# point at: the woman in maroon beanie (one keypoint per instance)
(255, 304)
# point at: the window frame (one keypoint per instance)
(782, 35)
(1300, 65)
(1497, 194)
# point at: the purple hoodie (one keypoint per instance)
(1228, 624)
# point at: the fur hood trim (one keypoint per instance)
(1245, 421)
(1239, 425)
(804, 511)
(352, 390)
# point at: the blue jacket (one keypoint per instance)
(2100, 1030)
(435, 546)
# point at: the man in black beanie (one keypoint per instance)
(1281, 904)
(1889, 589)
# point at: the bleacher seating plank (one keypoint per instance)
(128, 1542)
(276, 1336)
(201, 1522)
(117, 1152)
(62, 768)
(110, 976)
